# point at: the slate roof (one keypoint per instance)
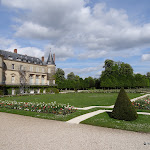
(50, 60)
(24, 58)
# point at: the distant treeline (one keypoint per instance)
(115, 75)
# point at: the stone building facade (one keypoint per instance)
(24, 71)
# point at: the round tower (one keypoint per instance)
(51, 69)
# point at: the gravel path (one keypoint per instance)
(26, 133)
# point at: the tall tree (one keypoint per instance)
(60, 74)
(71, 76)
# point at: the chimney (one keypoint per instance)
(42, 58)
(54, 57)
(15, 51)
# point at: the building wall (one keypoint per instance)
(1, 69)
(37, 74)
(51, 73)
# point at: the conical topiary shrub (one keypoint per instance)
(123, 109)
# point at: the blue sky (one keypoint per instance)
(82, 33)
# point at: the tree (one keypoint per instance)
(91, 82)
(123, 109)
(60, 75)
(71, 76)
(148, 74)
(116, 74)
(97, 83)
(126, 69)
(108, 66)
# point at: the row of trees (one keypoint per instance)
(74, 81)
(115, 75)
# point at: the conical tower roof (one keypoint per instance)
(50, 60)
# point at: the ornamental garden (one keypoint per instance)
(66, 106)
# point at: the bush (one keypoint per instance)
(54, 90)
(17, 91)
(1, 92)
(123, 109)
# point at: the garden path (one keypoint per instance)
(19, 132)
(81, 118)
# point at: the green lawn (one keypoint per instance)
(48, 115)
(82, 100)
(142, 124)
(75, 99)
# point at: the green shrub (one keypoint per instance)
(9, 91)
(123, 109)
(47, 90)
(1, 92)
(17, 91)
(41, 90)
(54, 90)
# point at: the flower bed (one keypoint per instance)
(52, 107)
(143, 103)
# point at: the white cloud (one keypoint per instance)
(6, 42)
(10, 45)
(62, 52)
(70, 24)
(83, 71)
(146, 57)
(92, 54)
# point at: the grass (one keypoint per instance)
(83, 100)
(48, 115)
(74, 99)
(142, 124)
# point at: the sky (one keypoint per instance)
(81, 33)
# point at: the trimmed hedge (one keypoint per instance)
(123, 109)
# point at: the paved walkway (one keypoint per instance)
(78, 119)
(27, 133)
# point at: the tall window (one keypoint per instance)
(12, 79)
(21, 67)
(53, 81)
(31, 79)
(49, 70)
(42, 80)
(31, 68)
(37, 69)
(13, 66)
(37, 79)
(42, 70)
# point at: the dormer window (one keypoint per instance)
(9, 57)
(18, 59)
